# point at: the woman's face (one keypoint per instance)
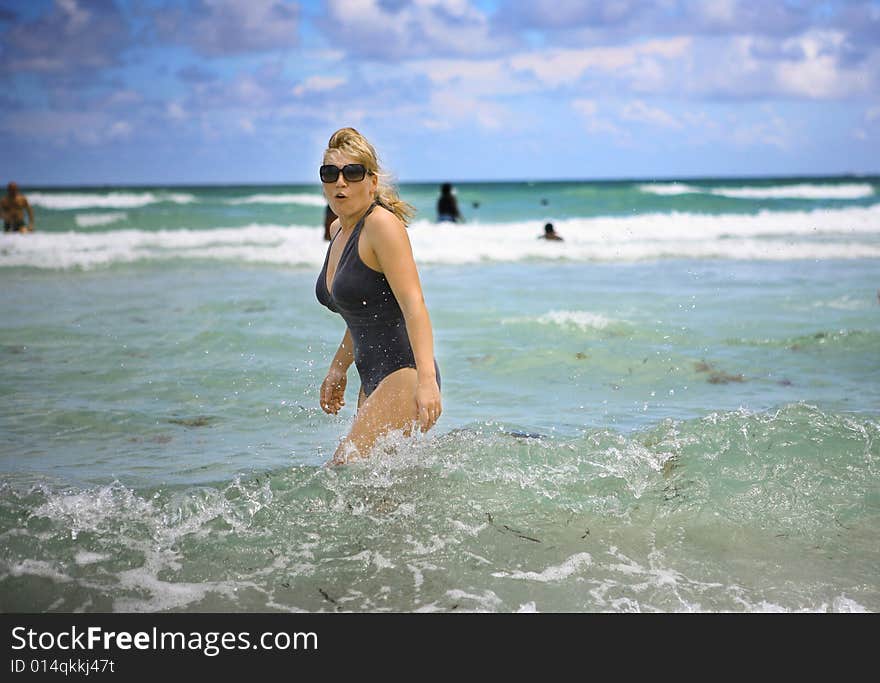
(348, 198)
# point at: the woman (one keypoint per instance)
(370, 278)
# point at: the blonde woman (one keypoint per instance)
(370, 278)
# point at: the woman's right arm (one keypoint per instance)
(333, 387)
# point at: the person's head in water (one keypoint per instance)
(12, 189)
(348, 146)
(446, 189)
(550, 233)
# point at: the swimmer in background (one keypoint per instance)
(550, 234)
(447, 206)
(13, 206)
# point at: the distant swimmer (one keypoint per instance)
(447, 206)
(13, 206)
(550, 234)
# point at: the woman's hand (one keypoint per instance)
(333, 391)
(428, 403)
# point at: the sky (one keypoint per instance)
(115, 92)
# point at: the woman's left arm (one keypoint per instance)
(390, 243)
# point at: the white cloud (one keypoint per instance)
(473, 76)
(641, 112)
(596, 125)
(318, 84)
(225, 27)
(556, 67)
(119, 130)
(717, 12)
(175, 112)
(404, 30)
(772, 131)
(77, 16)
(64, 127)
(449, 108)
(586, 108)
(818, 74)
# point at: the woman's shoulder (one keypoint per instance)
(382, 223)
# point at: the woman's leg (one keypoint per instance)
(392, 405)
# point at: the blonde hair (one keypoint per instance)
(351, 143)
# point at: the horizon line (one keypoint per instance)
(632, 179)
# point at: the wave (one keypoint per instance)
(802, 191)
(596, 517)
(852, 233)
(64, 201)
(304, 199)
(799, 191)
(669, 189)
(92, 220)
(584, 320)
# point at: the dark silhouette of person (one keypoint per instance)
(13, 206)
(447, 206)
(550, 233)
(329, 217)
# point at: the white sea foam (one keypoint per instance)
(582, 319)
(787, 235)
(91, 220)
(798, 191)
(62, 201)
(845, 604)
(84, 557)
(585, 320)
(29, 567)
(668, 189)
(554, 573)
(92, 510)
(304, 199)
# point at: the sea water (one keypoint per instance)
(677, 408)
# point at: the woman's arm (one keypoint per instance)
(333, 386)
(30, 212)
(390, 243)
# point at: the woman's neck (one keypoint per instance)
(349, 220)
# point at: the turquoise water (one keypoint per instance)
(676, 409)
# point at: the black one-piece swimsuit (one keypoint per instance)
(363, 297)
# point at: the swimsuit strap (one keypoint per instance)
(357, 225)
(360, 223)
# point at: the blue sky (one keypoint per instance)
(214, 91)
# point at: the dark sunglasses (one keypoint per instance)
(353, 173)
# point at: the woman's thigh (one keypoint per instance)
(391, 406)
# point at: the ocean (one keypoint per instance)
(677, 408)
